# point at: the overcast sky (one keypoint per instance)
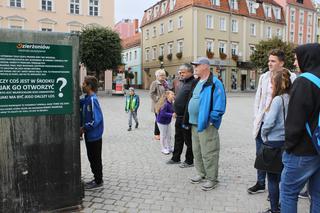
(131, 8)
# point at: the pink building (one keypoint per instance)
(127, 28)
(301, 18)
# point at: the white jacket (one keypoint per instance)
(260, 104)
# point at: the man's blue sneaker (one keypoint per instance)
(93, 185)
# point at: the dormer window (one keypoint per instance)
(300, 1)
(163, 7)
(155, 12)
(215, 2)
(267, 11)
(172, 4)
(149, 14)
(252, 7)
(234, 4)
(277, 13)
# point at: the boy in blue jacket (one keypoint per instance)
(92, 128)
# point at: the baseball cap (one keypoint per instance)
(131, 89)
(201, 60)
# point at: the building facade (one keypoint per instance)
(131, 57)
(127, 28)
(318, 23)
(178, 31)
(301, 19)
(56, 15)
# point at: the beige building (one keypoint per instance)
(55, 15)
(225, 31)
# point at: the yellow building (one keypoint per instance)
(55, 15)
(225, 31)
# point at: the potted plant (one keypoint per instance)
(169, 56)
(179, 55)
(160, 57)
(235, 57)
(223, 55)
(210, 54)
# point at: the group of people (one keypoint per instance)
(197, 105)
(285, 117)
(284, 105)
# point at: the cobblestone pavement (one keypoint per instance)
(136, 178)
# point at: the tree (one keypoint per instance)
(260, 56)
(100, 49)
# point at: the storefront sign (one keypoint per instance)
(35, 79)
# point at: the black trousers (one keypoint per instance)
(156, 128)
(182, 136)
(94, 155)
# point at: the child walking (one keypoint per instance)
(273, 130)
(92, 128)
(164, 111)
(132, 105)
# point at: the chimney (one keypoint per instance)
(136, 26)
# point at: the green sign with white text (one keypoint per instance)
(35, 79)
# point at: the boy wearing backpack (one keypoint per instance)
(301, 159)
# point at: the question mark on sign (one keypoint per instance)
(64, 83)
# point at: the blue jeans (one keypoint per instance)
(296, 172)
(273, 187)
(261, 175)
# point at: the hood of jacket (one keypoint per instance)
(308, 56)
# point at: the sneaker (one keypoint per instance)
(137, 124)
(209, 185)
(185, 165)
(93, 185)
(256, 189)
(196, 179)
(165, 151)
(170, 149)
(129, 129)
(172, 162)
(304, 195)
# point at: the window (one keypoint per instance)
(300, 1)
(252, 48)
(269, 32)
(130, 56)
(170, 48)
(300, 38)
(154, 53)
(75, 6)
(308, 38)
(16, 27)
(209, 22)
(291, 37)
(155, 12)
(215, 2)
(279, 34)
(292, 15)
(234, 4)
(147, 54)
(135, 55)
(149, 14)
(94, 7)
(180, 22)
(46, 29)
(222, 24)
(170, 26)
(234, 48)
(277, 13)
(234, 26)
(161, 29)
(291, 27)
(180, 46)
(309, 19)
(172, 3)
(154, 32)
(222, 47)
(161, 50)
(209, 45)
(46, 5)
(252, 7)
(16, 3)
(147, 34)
(301, 17)
(267, 11)
(252, 29)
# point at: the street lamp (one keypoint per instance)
(161, 65)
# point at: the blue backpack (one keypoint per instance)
(316, 134)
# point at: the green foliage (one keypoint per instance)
(100, 49)
(260, 56)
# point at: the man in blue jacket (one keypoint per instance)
(205, 108)
(92, 128)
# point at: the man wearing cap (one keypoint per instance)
(205, 110)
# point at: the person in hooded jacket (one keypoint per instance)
(300, 159)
